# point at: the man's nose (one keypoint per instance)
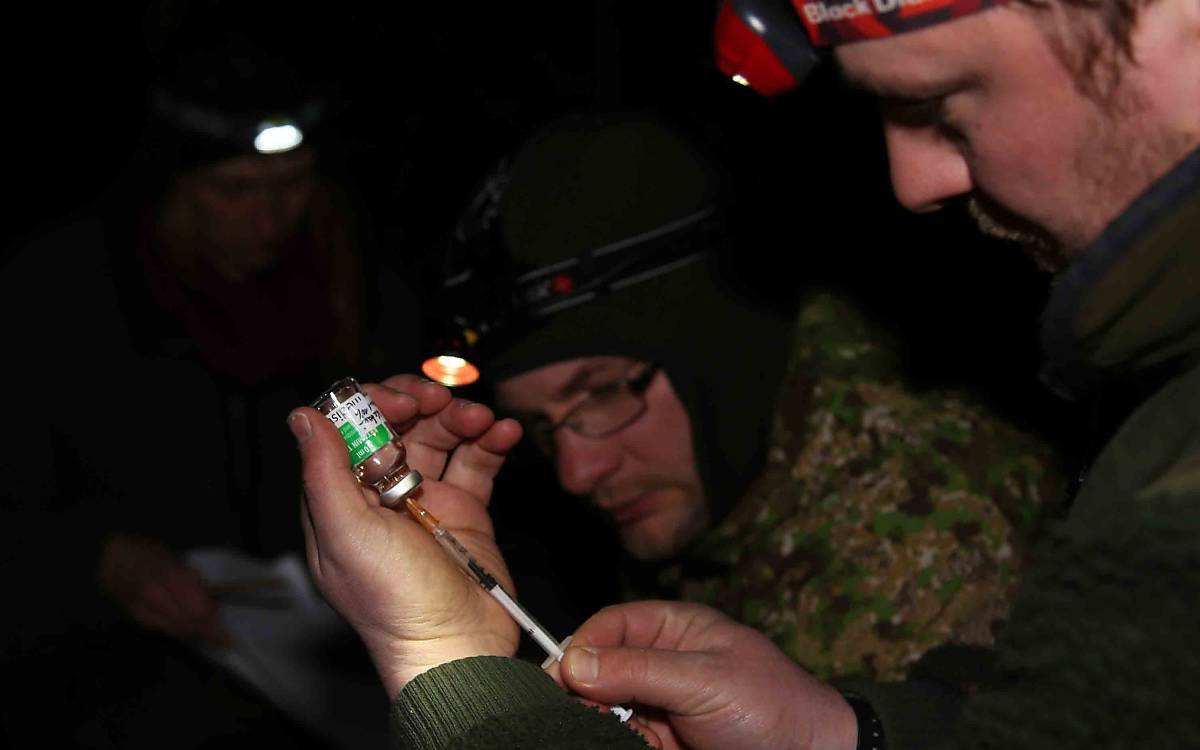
(583, 462)
(927, 169)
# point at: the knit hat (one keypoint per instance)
(228, 78)
(587, 184)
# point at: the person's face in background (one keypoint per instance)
(985, 107)
(643, 476)
(243, 211)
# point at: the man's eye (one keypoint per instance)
(606, 391)
(914, 113)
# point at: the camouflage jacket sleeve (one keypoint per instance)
(886, 522)
(1099, 651)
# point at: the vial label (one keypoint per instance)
(362, 426)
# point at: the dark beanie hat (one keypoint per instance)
(590, 182)
(225, 71)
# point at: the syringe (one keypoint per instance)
(479, 574)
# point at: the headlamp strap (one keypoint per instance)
(832, 22)
(608, 268)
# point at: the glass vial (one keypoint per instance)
(376, 452)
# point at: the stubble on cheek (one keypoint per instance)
(995, 221)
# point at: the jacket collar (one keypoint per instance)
(1129, 306)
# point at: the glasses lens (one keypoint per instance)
(607, 409)
(606, 413)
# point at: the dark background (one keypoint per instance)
(430, 96)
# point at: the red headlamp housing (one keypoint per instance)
(771, 45)
(761, 44)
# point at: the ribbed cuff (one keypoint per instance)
(448, 700)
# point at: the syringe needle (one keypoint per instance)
(486, 580)
(479, 574)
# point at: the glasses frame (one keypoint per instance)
(542, 430)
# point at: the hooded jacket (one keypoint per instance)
(1100, 649)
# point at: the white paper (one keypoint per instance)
(291, 645)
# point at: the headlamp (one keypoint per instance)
(760, 44)
(270, 134)
(491, 302)
(277, 137)
(772, 45)
(450, 369)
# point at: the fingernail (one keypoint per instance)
(465, 403)
(298, 424)
(583, 664)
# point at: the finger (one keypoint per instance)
(645, 624)
(427, 396)
(160, 605)
(553, 668)
(679, 682)
(155, 598)
(642, 727)
(430, 441)
(213, 631)
(648, 734)
(154, 620)
(311, 549)
(189, 591)
(173, 623)
(401, 407)
(474, 465)
(439, 435)
(334, 499)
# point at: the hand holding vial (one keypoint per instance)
(412, 606)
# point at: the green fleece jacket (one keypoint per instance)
(492, 702)
(1101, 649)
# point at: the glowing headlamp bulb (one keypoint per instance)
(450, 370)
(277, 137)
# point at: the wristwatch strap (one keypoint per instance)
(870, 728)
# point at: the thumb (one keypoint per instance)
(679, 682)
(325, 470)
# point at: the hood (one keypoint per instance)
(1129, 307)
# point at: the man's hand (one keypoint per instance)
(697, 679)
(156, 590)
(412, 606)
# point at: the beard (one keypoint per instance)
(1123, 158)
(994, 220)
(682, 515)
(1125, 145)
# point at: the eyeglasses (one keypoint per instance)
(609, 408)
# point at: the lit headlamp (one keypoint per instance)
(491, 302)
(773, 45)
(267, 134)
(761, 44)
